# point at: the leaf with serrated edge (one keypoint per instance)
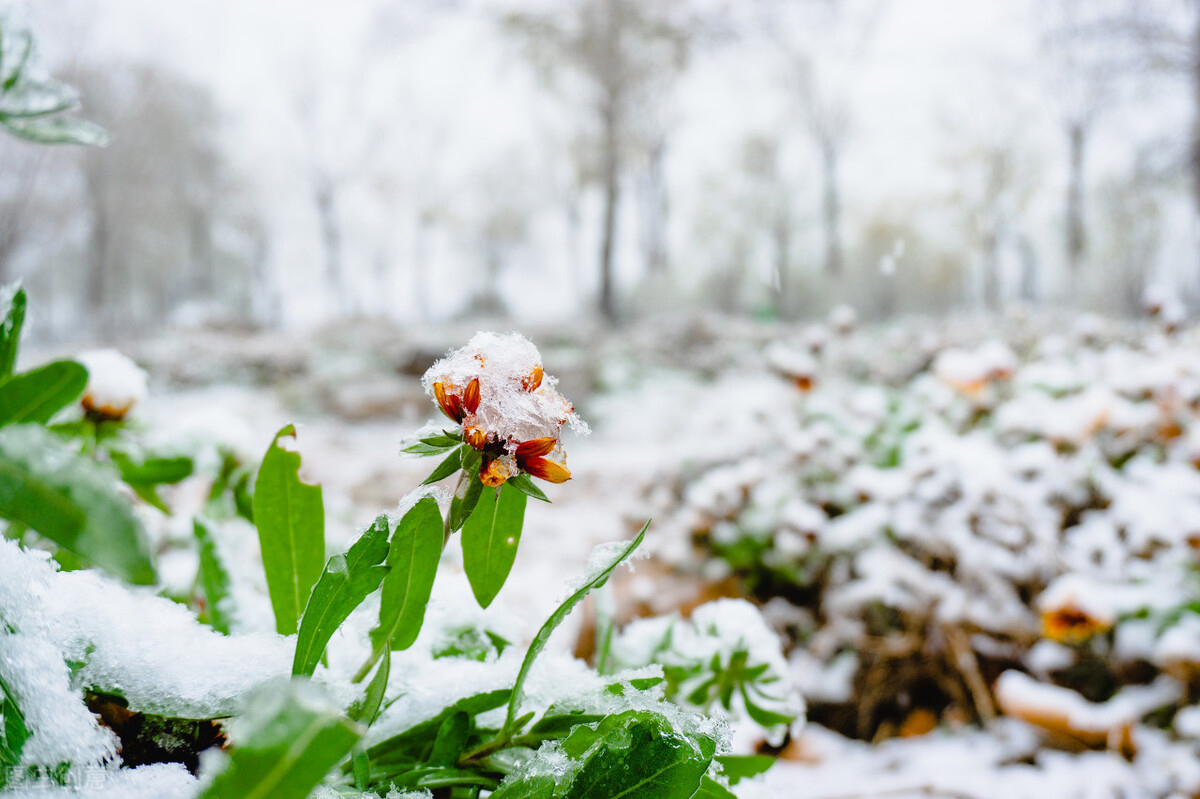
(290, 517)
(347, 580)
(490, 538)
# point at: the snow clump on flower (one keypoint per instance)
(115, 384)
(508, 407)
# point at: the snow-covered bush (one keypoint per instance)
(927, 529)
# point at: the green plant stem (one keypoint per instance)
(500, 742)
(446, 531)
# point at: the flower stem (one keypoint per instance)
(446, 531)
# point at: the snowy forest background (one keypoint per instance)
(281, 165)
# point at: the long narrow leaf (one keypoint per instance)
(599, 577)
(214, 577)
(10, 331)
(489, 540)
(290, 517)
(412, 561)
(13, 733)
(347, 580)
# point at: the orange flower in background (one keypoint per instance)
(1070, 624)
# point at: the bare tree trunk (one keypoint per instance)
(782, 234)
(14, 222)
(325, 199)
(608, 307)
(654, 212)
(1194, 145)
(204, 278)
(1076, 234)
(1029, 270)
(831, 206)
(421, 265)
(991, 271)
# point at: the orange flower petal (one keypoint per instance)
(475, 436)
(534, 379)
(535, 448)
(471, 396)
(449, 403)
(546, 469)
(493, 474)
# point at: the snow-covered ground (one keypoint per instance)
(1054, 470)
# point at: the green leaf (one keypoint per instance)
(762, 716)
(214, 577)
(10, 76)
(412, 561)
(13, 733)
(284, 745)
(144, 477)
(553, 726)
(37, 395)
(414, 745)
(290, 516)
(711, 789)
(451, 739)
(597, 578)
(527, 787)
(365, 711)
(71, 500)
(642, 755)
(56, 130)
(490, 538)
(740, 767)
(153, 471)
(347, 580)
(432, 445)
(444, 469)
(523, 483)
(10, 330)
(463, 504)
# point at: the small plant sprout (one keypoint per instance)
(115, 385)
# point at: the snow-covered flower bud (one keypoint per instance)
(1074, 609)
(843, 319)
(507, 406)
(798, 367)
(115, 384)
